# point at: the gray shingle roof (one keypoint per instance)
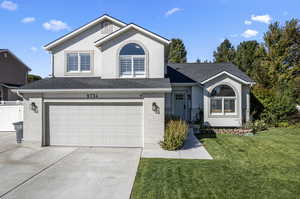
(97, 83)
(199, 72)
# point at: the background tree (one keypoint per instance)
(32, 78)
(177, 52)
(283, 52)
(225, 52)
(246, 55)
(280, 67)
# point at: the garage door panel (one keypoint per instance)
(96, 125)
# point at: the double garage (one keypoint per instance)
(111, 124)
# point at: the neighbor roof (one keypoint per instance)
(83, 28)
(8, 51)
(203, 72)
(96, 83)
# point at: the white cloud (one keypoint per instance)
(262, 18)
(9, 5)
(285, 13)
(234, 35)
(172, 11)
(28, 20)
(249, 33)
(33, 48)
(247, 22)
(55, 25)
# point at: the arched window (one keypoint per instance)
(132, 61)
(223, 101)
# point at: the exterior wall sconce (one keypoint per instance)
(34, 107)
(155, 108)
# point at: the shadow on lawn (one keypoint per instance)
(206, 134)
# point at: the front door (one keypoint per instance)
(179, 105)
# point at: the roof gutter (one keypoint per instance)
(130, 90)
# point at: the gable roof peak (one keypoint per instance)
(83, 28)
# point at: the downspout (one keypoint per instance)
(52, 64)
(20, 95)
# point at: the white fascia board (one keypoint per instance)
(142, 90)
(124, 29)
(92, 100)
(186, 84)
(230, 75)
(81, 29)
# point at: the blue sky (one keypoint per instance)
(27, 25)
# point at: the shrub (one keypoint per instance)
(175, 135)
(278, 105)
(284, 124)
(258, 125)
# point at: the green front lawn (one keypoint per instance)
(263, 166)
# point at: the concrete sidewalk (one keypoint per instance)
(192, 149)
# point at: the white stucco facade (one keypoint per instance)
(36, 123)
(234, 120)
(105, 58)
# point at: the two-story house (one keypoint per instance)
(13, 74)
(111, 86)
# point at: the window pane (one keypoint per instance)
(222, 91)
(72, 62)
(139, 65)
(229, 105)
(85, 62)
(216, 105)
(132, 49)
(125, 64)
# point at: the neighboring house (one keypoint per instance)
(13, 74)
(111, 86)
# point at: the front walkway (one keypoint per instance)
(192, 149)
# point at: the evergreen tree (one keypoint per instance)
(283, 52)
(225, 52)
(32, 78)
(246, 55)
(177, 52)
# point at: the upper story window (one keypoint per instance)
(132, 61)
(223, 101)
(79, 62)
(107, 27)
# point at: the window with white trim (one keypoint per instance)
(79, 62)
(132, 61)
(223, 101)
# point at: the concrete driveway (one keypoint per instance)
(30, 171)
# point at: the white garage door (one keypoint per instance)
(114, 124)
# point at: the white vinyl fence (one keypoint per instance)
(10, 112)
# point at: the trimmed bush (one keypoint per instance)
(175, 135)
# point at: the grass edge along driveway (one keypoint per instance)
(263, 166)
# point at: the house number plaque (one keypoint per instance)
(92, 96)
